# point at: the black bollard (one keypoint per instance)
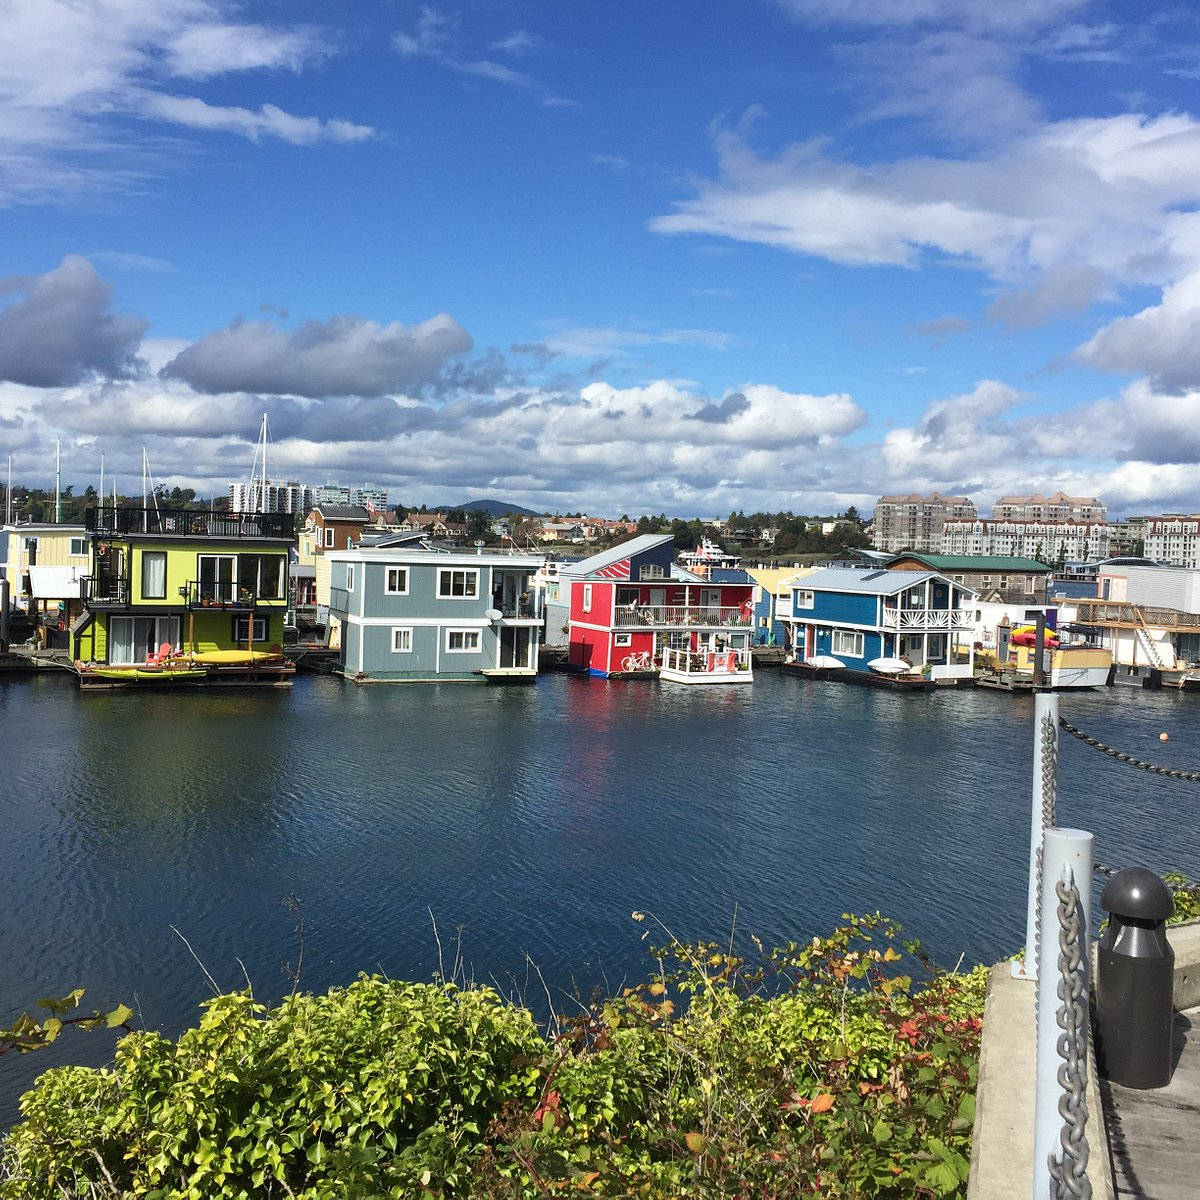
(1135, 974)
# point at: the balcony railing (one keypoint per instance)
(668, 615)
(520, 609)
(704, 662)
(217, 594)
(104, 593)
(186, 522)
(926, 618)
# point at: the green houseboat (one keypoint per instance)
(180, 597)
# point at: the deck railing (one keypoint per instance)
(218, 594)
(682, 614)
(704, 662)
(1113, 612)
(98, 593)
(926, 618)
(186, 522)
(522, 608)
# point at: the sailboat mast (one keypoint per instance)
(262, 495)
(57, 480)
(145, 515)
(101, 478)
(8, 495)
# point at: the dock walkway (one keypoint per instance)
(1154, 1135)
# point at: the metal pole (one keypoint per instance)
(101, 479)
(8, 495)
(1045, 783)
(1067, 855)
(57, 480)
(1039, 650)
(4, 617)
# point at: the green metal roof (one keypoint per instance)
(997, 564)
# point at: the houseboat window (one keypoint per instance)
(652, 571)
(626, 597)
(587, 597)
(1003, 583)
(78, 547)
(241, 629)
(847, 642)
(261, 575)
(958, 579)
(328, 539)
(462, 641)
(397, 585)
(216, 573)
(458, 585)
(804, 598)
(401, 639)
(623, 639)
(154, 574)
(349, 577)
(31, 548)
(1030, 585)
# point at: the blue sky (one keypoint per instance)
(684, 256)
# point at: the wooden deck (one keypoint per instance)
(1154, 1135)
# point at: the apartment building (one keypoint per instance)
(1173, 538)
(1052, 509)
(1047, 541)
(916, 522)
(276, 496)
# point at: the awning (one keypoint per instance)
(54, 583)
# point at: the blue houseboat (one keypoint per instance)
(887, 622)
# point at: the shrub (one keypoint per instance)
(818, 1069)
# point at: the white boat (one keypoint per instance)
(823, 662)
(706, 665)
(890, 666)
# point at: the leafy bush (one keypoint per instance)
(818, 1069)
(1187, 897)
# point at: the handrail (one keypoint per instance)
(682, 614)
(186, 522)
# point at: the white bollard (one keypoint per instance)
(1067, 854)
(1044, 704)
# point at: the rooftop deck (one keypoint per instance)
(185, 522)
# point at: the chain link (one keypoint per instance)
(1068, 1174)
(1127, 759)
(1049, 818)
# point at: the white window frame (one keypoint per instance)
(465, 634)
(328, 537)
(402, 633)
(388, 590)
(81, 552)
(651, 571)
(157, 554)
(259, 622)
(587, 597)
(805, 598)
(443, 572)
(622, 639)
(349, 577)
(856, 639)
(31, 543)
(1030, 585)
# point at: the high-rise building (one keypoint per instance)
(367, 496)
(1059, 507)
(275, 496)
(915, 522)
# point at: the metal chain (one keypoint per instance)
(1068, 1175)
(1128, 759)
(1049, 818)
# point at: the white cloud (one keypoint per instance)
(266, 121)
(604, 343)
(69, 71)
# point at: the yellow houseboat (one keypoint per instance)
(181, 597)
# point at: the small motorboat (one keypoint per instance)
(890, 666)
(824, 662)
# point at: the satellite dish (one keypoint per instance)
(493, 614)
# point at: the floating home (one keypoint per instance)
(862, 616)
(183, 596)
(417, 614)
(634, 611)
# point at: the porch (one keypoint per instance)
(705, 666)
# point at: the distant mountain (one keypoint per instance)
(493, 508)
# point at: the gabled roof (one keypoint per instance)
(869, 583)
(606, 558)
(992, 563)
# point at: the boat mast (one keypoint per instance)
(101, 478)
(262, 492)
(145, 518)
(8, 495)
(57, 480)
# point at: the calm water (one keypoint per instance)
(531, 821)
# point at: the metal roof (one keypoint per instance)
(874, 583)
(344, 512)
(606, 558)
(994, 563)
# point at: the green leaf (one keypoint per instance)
(882, 1132)
(121, 1015)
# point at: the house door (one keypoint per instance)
(658, 597)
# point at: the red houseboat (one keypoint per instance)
(634, 610)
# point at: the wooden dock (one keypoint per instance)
(1154, 1135)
